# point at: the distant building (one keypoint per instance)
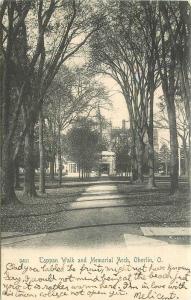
(106, 133)
(71, 168)
(116, 137)
(107, 163)
(107, 159)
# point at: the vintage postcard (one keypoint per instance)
(95, 149)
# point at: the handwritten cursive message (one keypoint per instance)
(109, 277)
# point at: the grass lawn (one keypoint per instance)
(50, 202)
(38, 213)
(47, 212)
(162, 192)
(178, 206)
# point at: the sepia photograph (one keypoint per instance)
(95, 122)
(95, 137)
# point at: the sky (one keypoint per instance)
(119, 112)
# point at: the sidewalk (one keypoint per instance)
(100, 216)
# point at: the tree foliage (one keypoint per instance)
(83, 144)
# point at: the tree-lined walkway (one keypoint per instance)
(101, 216)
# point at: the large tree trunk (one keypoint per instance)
(134, 171)
(134, 167)
(59, 160)
(151, 180)
(140, 155)
(151, 154)
(173, 146)
(189, 156)
(134, 160)
(7, 164)
(17, 175)
(7, 172)
(168, 68)
(166, 167)
(52, 162)
(29, 178)
(59, 170)
(189, 164)
(41, 152)
(8, 177)
(186, 157)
